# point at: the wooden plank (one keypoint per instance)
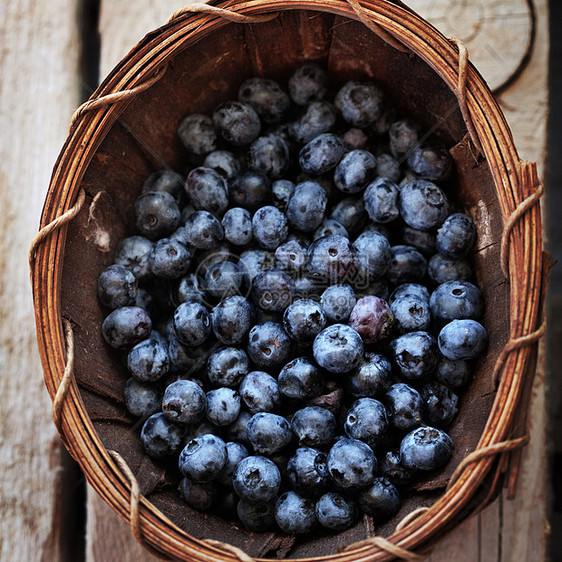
(39, 90)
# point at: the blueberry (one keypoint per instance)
(308, 82)
(425, 449)
(361, 103)
(441, 269)
(304, 319)
(117, 286)
(268, 433)
(403, 136)
(290, 257)
(254, 262)
(148, 360)
(335, 512)
(415, 354)
(221, 252)
(224, 279)
(250, 189)
(203, 230)
(198, 495)
(307, 472)
(314, 426)
(223, 162)
(237, 430)
(227, 367)
(141, 399)
(203, 458)
(372, 378)
(270, 155)
(169, 259)
(338, 348)
(431, 162)
(266, 97)
(423, 205)
(256, 517)
(371, 318)
(223, 406)
(232, 319)
(456, 236)
(192, 323)
(237, 226)
(439, 404)
(404, 405)
(407, 265)
(388, 167)
(355, 171)
(184, 358)
(373, 255)
(197, 134)
(308, 287)
(273, 290)
(455, 374)
(260, 392)
(294, 514)
(330, 227)
(132, 253)
(338, 301)
(268, 344)
(351, 464)
(306, 207)
(156, 214)
(126, 326)
(381, 200)
(455, 300)
(237, 123)
(411, 314)
(321, 154)
(367, 421)
(256, 479)
(462, 339)
(381, 500)
(351, 214)
(165, 180)
(333, 258)
(281, 191)
(421, 240)
(319, 117)
(392, 470)
(300, 380)
(160, 437)
(410, 290)
(269, 226)
(184, 402)
(189, 289)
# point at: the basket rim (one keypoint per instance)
(500, 152)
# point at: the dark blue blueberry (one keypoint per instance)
(421, 240)
(456, 236)
(415, 354)
(165, 180)
(269, 226)
(314, 426)
(425, 449)
(223, 162)
(227, 367)
(300, 380)
(250, 189)
(367, 421)
(355, 171)
(192, 323)
(407, 265)
(268, 344)
(351, 213)
(197, 134)
(455, 374)
(273, 290)
(373, 377)
(290, 257)
(256, 479)
(294, 514)
(439, 404)
(381, 500)
(223, 406)
(455, 300)
(208, 258)
(269, 155)
(207, 190)
(388, 167)
(268, 433)
(338, 348)
(156, 214)
(189, 289)
(281, 191)
(330, 227)
(304, 319)
(462, 339)
(321, 154)
(411, 314)
(404, 405)
(203, 458)
(335, 512)
(308, 287)
(307, 472)
(169, 259)
(186, 359)
(381, 200)
(254, 262)
(126, 326)
(160, 437)
(351, 464)
(360, 103)
(431, 162)
(141, 399)
(202, 427)
(373, 255)
(237, 430)
(237, 226)
(257, 517)
(441, 269)
(371, 318)
(203, 230)
(232, 319)
(308, 82)
(305, 211)
(338, 301)
(133, 253)
(237, 123)
(224, 279)
(410, 290)
(260, 392)
(319, 117)
(117, 286)
(403, 137)
(270, 102)
(198, 495)
(392, 470)
(423, 205)
(333, 258)
(148, 360)
(184, 402)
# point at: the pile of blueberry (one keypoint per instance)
(297, 314)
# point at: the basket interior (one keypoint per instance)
(144, 139)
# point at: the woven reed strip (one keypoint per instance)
(203, 8)
(387, 546)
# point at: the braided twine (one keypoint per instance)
(512, 345)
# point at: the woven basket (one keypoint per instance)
(191, 64)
